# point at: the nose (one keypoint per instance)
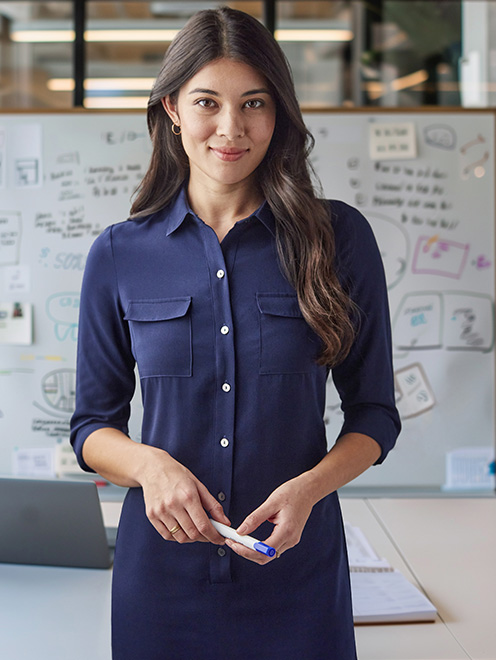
(231, 124)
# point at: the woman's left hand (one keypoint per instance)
(288, 508)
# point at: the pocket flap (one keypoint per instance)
(279, 304)
(157, 310)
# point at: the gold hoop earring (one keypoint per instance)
(173, 127)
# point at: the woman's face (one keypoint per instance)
(227, 117)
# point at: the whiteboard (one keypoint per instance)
(66, 176)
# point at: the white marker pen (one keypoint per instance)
(248, 541)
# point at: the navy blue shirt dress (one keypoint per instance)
(232, 390)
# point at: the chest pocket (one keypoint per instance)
(161, 336)
(287, 343)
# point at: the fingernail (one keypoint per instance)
(241, 530)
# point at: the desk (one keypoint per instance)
(450, 547)
(445, 546)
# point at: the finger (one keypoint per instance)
(205, 528)
(195, 523)
(256, 518)
(212, 506)
(284, 536)
(163, 530)
(247, 553)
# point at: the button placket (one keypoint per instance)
(225, 378)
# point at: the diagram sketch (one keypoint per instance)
(59, 390)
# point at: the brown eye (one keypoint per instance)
(253, 104)
(206, 103)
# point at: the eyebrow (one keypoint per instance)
(199, 90)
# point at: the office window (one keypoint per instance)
(35, 46)
(387, 53)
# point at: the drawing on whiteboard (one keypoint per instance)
(476, 158)
(17, 279)
(394, 247)
(67, 181)
(51, 428)
(30, 357)
(440, 136)
(468, 145)
(482, 262)
(112, 137)
(44, 252)
(110, 181)
(414, 393)
(59, 390)
(476, 167)
(422, 192)
(25, 154)
(71, 157)
(63, 310)
(68, 224)
(468, 322)
(27, 172)
(9, 372)
(10, 237)
(418, 322)
(436, 256)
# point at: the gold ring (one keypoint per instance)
(278, 554)
(175, 529)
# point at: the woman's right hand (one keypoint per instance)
(175, 497)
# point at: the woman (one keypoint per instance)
(234, 289)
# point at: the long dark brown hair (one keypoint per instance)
(304, 235)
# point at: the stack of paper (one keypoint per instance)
(380, 593)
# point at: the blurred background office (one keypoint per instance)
(392, 53)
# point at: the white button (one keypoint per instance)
(221, 496)
(220, 273)
(226, 387)
(224, 442)
(221, 552)
(224, 329)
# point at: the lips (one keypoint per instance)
(228, 154)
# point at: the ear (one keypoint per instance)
(171, 109)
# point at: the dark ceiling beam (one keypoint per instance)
(79, 52)
(270, 15)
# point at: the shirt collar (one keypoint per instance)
(179, 209)
(266, 217)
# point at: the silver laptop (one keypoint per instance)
(52, 522)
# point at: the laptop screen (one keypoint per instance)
(52, 522)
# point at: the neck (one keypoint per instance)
(222, 206)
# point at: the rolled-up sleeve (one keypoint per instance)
(365, 379)
(105, 379)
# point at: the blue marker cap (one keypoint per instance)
(264, 549)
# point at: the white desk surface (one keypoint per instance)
(450, 547)
(409, 641)
(445, 546)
